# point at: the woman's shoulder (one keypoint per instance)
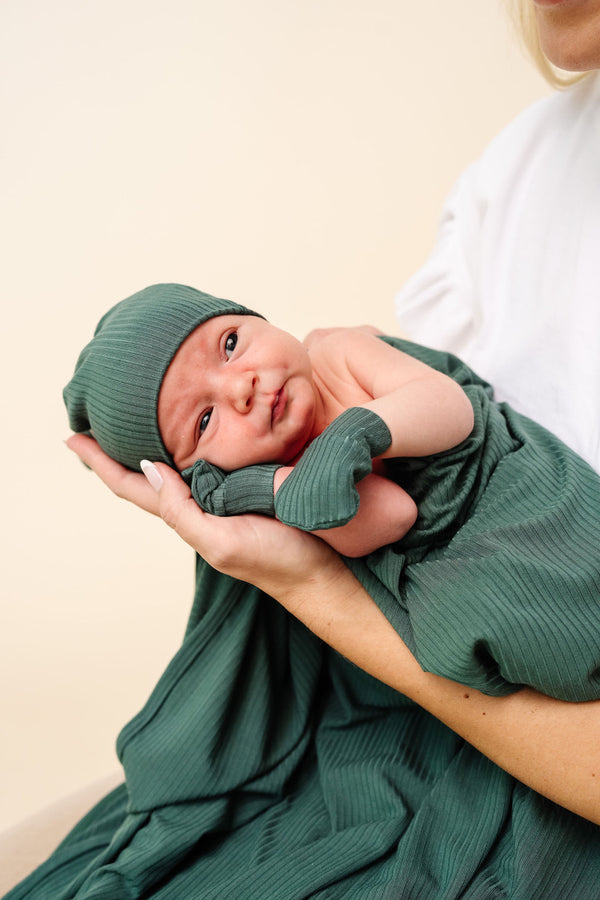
(548, 126)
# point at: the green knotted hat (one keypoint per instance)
(114, 391)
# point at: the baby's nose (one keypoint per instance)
(242, 387)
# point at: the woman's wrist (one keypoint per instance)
(307, 584)
(334, 605)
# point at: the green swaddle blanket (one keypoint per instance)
(264, 765)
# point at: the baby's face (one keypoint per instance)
(237, 392)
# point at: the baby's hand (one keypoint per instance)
(231, 494)
(321, 492)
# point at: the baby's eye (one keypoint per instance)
(204, 421)
(230, 343)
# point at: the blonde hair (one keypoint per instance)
(523, 16)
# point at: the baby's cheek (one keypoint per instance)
(246, 448)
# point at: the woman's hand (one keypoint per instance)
(124, 483)
(262, 551)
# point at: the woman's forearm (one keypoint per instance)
(550, 745)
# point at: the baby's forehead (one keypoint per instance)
(202, 344)
(203, 334)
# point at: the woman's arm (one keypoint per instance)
(550, 745)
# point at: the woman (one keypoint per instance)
(546, 744)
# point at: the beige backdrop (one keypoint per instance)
(290, 154)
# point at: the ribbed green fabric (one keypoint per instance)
(114, 390)
(266, 766)
(231, 493)
(321, 492)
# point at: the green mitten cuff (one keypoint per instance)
(320, 493)
(232, 493)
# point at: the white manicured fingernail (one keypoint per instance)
(152, 474)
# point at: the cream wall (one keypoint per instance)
(291, 155)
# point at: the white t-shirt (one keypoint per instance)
(513, 283)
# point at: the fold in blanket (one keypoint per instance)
(264, 765)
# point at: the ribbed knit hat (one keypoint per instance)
(114, 391)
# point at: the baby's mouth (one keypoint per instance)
(278, 405)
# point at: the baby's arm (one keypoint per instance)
(385, 514)
(426, 411)
(382, 514)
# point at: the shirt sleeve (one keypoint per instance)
(439, 305)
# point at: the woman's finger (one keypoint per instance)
(220, 541)
(123, 482)
(176, 505)
(181, 512)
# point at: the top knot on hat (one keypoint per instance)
(114, 390)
